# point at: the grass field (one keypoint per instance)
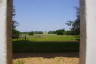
(40, 43)
(25, 46)
(51, 37)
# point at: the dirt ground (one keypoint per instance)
(41, 60)
(46, 58)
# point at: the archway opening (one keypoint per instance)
(46, 29)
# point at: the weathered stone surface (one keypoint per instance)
(3, 39)
(5, 32)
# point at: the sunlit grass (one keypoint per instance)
(51, 37)
(46, 43)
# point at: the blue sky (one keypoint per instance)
(44, 15)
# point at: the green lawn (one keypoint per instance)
(52, 37)
(25, 46)
(46, 44)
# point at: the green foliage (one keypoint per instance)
(38, 32)
(75, 30)
(31, 33)
(68, 32)
(15, 33)
(52, 32)
(60, 32)
(76, 24)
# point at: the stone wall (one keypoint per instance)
(5, 32)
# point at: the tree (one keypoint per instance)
(52, 32)
(15, 32)
(60, 32)
(37, 32)
(31, 33)
(75, 25)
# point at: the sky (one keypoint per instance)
(44, 15)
